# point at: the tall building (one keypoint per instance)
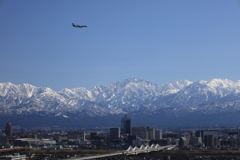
(195, 140)
(183, 142)
(151, 133)
(126, 125)
(203, 133)
(147, 133)
(114, 133)
(8, 129)
(209, 140)
(215, 133)
(77, 135)
(3, 140)
(192, 134)
(141, 132)
(198, 133)
(158, 134)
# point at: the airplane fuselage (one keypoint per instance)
(78, 26)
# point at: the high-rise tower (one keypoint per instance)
(114, 133)
(126, 125)
(8, 129)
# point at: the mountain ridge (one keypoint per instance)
(132, 96)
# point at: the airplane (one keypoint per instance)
(78, 26)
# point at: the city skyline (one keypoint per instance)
(159, 41)
(142, 142)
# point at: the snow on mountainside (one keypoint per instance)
(122, 97)
(128, 93)
(80, 93)
(8, 89)
(174, 87)
(200, 92)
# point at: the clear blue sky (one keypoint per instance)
(156, 40)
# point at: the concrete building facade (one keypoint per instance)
(77, 135)
(141, 132)
(114, 133)
(147, 133)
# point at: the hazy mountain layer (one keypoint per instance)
(139, 98)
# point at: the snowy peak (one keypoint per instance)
(27, 89)
(220, 87)
(203, 91)
(174, 87)
(220, 83)
(8, 88)
(215, 86)
(174, 101)
(128, 95)
(81, 93)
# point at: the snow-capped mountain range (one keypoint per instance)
(138, 98)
